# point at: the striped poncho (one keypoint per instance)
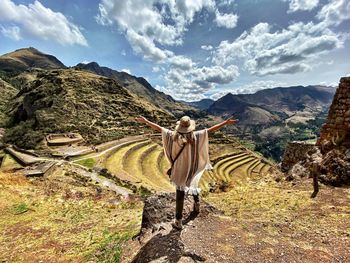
(192, 162)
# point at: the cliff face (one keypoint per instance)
(336, 131)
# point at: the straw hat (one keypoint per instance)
(185, 125)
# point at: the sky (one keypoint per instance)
(190, 49)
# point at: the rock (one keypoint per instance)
(297, 171)
(160, 242)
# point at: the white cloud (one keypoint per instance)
(188, 8)
(146, 47)
(150, 25)
(286, 51)
(123, 53)
(126, 70)
(226, 20)
(156, 69)
(193, 83)
(12, 32)
(207, 47)
(335, 12)
(248, 88)
(85, 62)
(225, 2)
(302, 5)
(181, 62)
(35, 20)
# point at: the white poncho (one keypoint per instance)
(192, 162)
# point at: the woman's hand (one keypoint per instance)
(222, 124)
(141, 119)
(154, 126)
(231, 121)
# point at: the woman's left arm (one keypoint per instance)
(154, 126)
(222, 124)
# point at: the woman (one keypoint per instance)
(188, 152)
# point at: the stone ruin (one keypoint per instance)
(329, 160)
(63, 139)
(336, 131)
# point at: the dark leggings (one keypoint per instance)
(180, 197)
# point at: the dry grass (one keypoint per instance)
(59, 219)
(281, 212)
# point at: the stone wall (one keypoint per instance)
(336, 131)
(294, 153)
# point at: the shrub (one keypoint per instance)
(23, 135)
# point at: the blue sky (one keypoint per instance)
(190, 49)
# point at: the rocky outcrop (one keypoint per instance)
(294, 153)
(158, 242)
(336, 131)
(329, 160)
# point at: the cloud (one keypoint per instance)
(226, 20)
(146, 47)
(151, 25)
(248, 88)
(35, 20)
(302, 5)
(126, 70)
(208, 47)
(192, 84)
(288, 51)
(335, 12)
(225, 2)
(156, 69)
(12, 32)
(181, 62)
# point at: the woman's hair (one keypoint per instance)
(184, 138)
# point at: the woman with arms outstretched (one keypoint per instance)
(188, 152)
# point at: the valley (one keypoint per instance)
(77, 173)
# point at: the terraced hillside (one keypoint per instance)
(98, 108)
(142, 162)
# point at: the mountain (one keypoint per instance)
(7, 92)
(203, 104)
(27, 58)
(141, 87)
(290, 99)
(68, 100)
(247, 113)
(269, 105)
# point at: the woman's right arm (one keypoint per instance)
(222, 124)
(154, 126)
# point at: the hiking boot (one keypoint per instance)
(196, 207)
(177, 224)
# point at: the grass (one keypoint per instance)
(20, 208)
(282, 212)
(114, 163)
(150, 169)
(9, 163)
(88, 163)
(110, 249)
(62, 219)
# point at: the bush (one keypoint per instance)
(23, 135)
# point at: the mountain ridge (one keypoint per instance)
(273, 103)
(26, 58)
(141, 87)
